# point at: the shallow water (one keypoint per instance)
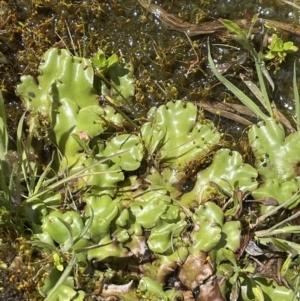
(167, 67)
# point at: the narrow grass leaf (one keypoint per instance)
(294, 247)
(296, 97)
(255, 90)
(63, 277)
(4, 167)
(287, 229)
(261, 73)
(42, 177)
(69, 243)
(42, 244)
(237, 92)
(286, 265)
(86, 227)
(77, 175)
(3, 130)
(258, 293)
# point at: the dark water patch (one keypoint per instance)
(167, 65)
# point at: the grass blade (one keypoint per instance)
(3, 130)
(4, 166)
(261, 73)
(237, 92)
(79, 174)
(63, 277)
(86, 227)
(296, 97)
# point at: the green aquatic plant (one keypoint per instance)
(61, 76)
(131, 150)
(117, 207)
(65, 99)
(241, 282)
(195, 136)
(165, 220)
(226, 171)
(62, 238)
(276, 158)
(276, 161)
(149, 289)
(116, 77)
(278, 49)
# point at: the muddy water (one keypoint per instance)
(168, 65)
